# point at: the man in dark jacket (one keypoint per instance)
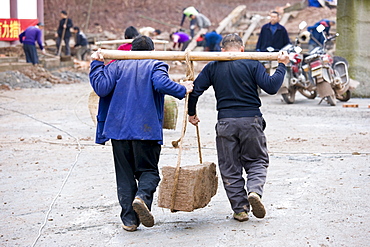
(81, 43)
(64, 32)
(272, 34)
(130, 113)
(240, 140)
(28, 38)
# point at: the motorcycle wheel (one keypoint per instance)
(339, 59)
(344, 97)
(331, 100)
(289, 97)
(307, 93)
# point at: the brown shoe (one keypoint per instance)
(258, 209)
(242, 216)
(129, 228)
(145, 216)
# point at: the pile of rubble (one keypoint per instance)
(38, 77)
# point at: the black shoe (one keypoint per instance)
(145, 216)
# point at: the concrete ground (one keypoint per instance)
(57, 187)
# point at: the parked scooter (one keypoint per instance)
(296, 76)
(329, 74)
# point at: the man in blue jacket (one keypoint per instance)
(131, 114)
(272, 34)
(240, 140)
(28, 38)
(316, 38)
(213, 40)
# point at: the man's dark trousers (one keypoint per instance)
(31, 53)
(136, 164)
(241, 144)
(66, 42)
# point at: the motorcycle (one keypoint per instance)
(329, 74)
(296, 76)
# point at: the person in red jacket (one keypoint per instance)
(130, 33)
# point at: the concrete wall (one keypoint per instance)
(353, 25)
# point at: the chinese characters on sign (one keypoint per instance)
(11, 28)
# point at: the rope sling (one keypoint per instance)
(189, 77)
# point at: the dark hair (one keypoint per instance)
(158, 31)
(76, 28)
(63, 12)
(40, 24)
(231, 40)
(142, 43)
(275, 12)
(131, 32)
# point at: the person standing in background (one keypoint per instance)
(64, 33)
(272, 34)
(188, 12)
(201, 22)
(28, 38)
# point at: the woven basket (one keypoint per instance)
(170, 113)
(93, 105)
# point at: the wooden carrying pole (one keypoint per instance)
(193, 56)
(124, 41)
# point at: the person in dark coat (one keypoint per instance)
(240, 140)
(272, 34)
(64, 32)
(81, 43)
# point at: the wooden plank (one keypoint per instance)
(285, 18)
(124, 41)
(255, 20)
(232, 18)
(194, 56)
(351, 105)
(193, 42)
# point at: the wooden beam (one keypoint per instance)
(124, 41)
(232, 18)
(194, 56)
(256, 19)
(285, 18)
(193, 43)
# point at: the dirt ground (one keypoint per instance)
(116, 15)
(57, 187)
